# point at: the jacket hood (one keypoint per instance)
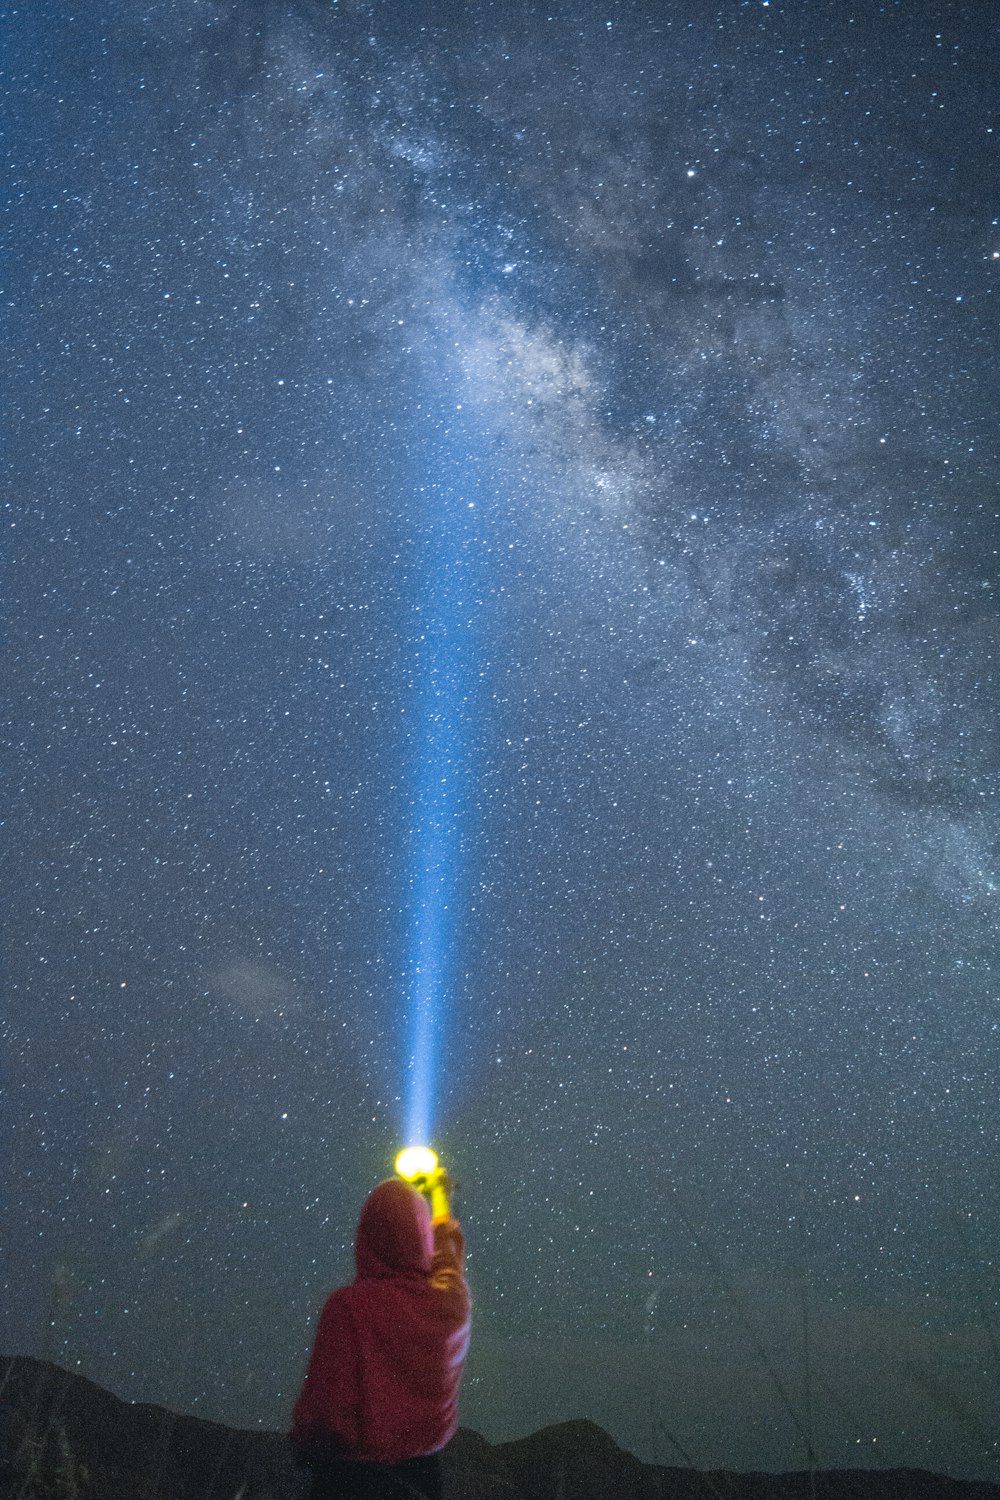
(395, 1236)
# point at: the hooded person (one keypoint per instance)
(380, 1397)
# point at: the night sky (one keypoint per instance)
(516, 481)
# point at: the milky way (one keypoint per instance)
(612, 389)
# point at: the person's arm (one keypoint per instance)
(448, 1263)
(448, 1260)
(326, 1418)
(447, 1276)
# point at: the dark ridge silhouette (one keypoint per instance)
(64, 1438)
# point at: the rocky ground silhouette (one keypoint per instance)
(64, 1438)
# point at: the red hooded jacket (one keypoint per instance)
(382, 1383)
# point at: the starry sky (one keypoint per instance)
(513, 480)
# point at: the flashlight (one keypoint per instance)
(418, 1165)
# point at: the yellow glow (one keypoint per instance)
(416, 1162)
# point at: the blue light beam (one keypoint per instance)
(443, 663)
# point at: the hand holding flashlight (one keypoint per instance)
(418, 1165)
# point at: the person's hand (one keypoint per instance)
(439, 1197)
(440, 1179)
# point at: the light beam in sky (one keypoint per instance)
(444, 645)
(432, 914)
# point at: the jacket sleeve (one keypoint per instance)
(447, 1276)
(326, 1419)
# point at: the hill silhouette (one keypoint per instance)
(64, 1438)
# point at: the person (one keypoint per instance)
(380, 1396)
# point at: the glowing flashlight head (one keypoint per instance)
(416, 1164)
